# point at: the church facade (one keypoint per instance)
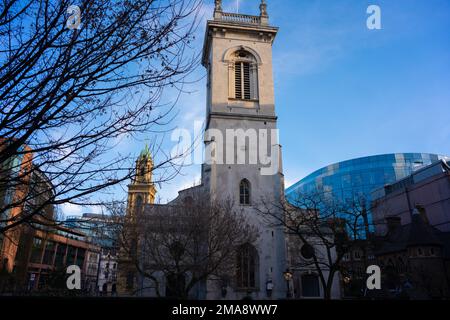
(242, 153)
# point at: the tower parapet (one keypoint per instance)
(262, 19)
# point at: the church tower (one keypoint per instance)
(142, 191)
(243, 157)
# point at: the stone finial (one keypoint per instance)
(218, 5)
(263, 8)
(218, 9)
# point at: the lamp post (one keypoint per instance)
(224, 287)
(269, 288)
(288, 277)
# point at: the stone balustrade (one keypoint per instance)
(239, 18)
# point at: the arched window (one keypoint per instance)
(142, 171)
(246, 267)
(243, 76)
(401, 267)
(244, 192)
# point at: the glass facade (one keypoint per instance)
(99, 229)
(357, 178)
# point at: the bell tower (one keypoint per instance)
(237, 55)
(240, 122)
(142, 191)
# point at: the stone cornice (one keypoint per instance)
(224, 26)
(242, 116)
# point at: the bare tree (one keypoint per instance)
(186, 243)
(322, 229)
(68, 93)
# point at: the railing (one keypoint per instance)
(240, 18)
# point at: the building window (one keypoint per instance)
(247, 264)
(346, 257)
(60, 255)
(310, 286)
(36, 251)
(243, 76)
(401, 267)
(49, 253)
(242, 80)
(80, 257)
(71, 255)
(244, 192)
(307, 252)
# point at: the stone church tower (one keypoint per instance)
(141, 192)
(242, 156)
(241, 142)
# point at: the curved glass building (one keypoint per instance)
(359, 177)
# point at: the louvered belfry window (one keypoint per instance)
(242, 80)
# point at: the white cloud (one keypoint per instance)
(69, 209)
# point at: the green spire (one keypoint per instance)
(146, 152)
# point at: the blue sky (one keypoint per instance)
(342, 91)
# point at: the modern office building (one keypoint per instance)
(427, 191)
(359, 177)
(35, 255)
(102, 231)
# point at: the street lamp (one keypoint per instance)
(288, 277)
